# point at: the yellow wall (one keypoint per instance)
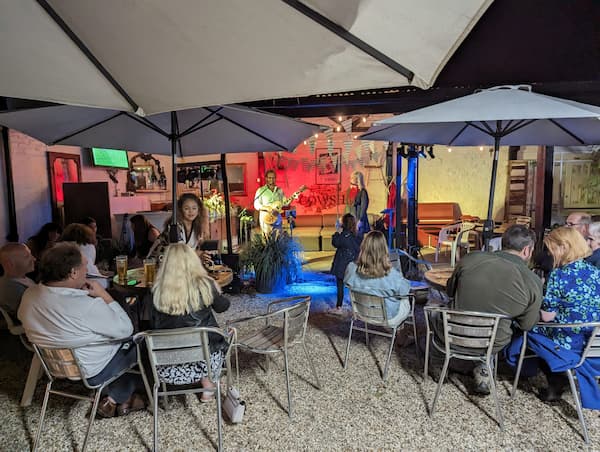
(463, 176)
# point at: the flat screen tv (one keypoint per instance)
(112, 158)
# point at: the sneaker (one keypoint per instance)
(337, 310)
(550, 394)
(482, 380)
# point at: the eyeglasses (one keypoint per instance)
(590, 239)
(570, 225)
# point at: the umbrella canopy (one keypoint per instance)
(156, 56)
(197, 131)
(504, 115)
(210, 130)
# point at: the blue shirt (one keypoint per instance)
(573, 292)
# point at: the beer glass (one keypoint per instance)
(149, 271)
(121, 268)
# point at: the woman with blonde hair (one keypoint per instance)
(184, 295)
(360, 204)
(572, 296)
(593, 240)
(373, 274)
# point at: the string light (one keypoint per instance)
(316, 135)
(364, 119)
(340, 118)
(481, 148)
(338, 128)
(449, 149)
(355, 137)
(304, 142)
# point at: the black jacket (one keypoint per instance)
(347, 245)
(203, 317)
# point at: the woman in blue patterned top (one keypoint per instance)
(573, 291)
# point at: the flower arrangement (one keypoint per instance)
(215, 204)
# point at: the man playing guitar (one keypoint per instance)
(269, 200)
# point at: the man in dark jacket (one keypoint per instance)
(499, 283)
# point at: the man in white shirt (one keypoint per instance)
(17, 261)
(66, 310)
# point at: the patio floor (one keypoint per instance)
(354, 410)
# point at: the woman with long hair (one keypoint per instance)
(44, 239)
(85, 238)
(144, 235)
(373, 274)
(347, 245)
(185, 296)
(572, 296)
(361, 203)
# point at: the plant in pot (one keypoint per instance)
(274, 258)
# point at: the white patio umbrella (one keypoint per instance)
(503, 115)
(154, 56)
(198, 131)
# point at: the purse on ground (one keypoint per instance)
(234, 406)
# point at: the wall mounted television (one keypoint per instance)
(110, 158)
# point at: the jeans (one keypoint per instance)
(123, 387)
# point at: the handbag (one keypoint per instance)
(234, 406)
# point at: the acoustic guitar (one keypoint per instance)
(271, 218)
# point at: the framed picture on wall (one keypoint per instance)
(328, 166)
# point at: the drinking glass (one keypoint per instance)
(121, 268)
(149, 271)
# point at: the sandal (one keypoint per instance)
(206, 397)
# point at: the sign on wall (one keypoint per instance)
(328, 166)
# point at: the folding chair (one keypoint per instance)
(591, 350)
(285, 326)
(371, 310)
(176, 347)
(62, 363)
(468, 336)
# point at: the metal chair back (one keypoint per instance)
(591, 350)
(369, 308)
(15, 329)
(175, 347)
(467, 336)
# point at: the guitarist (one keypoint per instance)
(268, 200)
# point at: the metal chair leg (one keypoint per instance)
(42, 416)
(439, 386)
(219, 417)
(389, 355)
(495, 395)
(155, 415)
(287, 380)
(367, 334)
(92, 417)
(348, 344)
(519, 366)
(586, 437)
(426, 359)
(312, 365)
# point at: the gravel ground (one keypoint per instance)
(353, 410)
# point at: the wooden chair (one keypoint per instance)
(285, 326)
(591, 350)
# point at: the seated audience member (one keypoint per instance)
(66, 310)
(17, 261)
(593, 240)
(144, 235)
(373, 274)
(85, 238)
(498, 283)
(44, 239)
(572, 296)
(579, 221)
(185, 296)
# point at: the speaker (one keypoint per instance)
(88, 199)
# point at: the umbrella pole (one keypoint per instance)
(173, 231)
(227, 206)
(488, 226)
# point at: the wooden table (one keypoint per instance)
(222, 274)
(438, 276)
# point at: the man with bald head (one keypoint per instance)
(580, 221)
(17, 261)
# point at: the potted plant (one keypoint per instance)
(274, 258)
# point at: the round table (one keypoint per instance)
(222, 274)
(438, 276)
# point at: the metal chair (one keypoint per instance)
(591, 350)
(468, 336)
(35, 369)
(371, 310)
(176, 347)
(62, 363)
(285, 326)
